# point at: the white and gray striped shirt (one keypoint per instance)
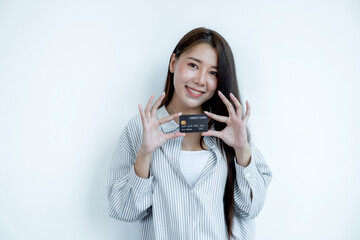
(167, 206)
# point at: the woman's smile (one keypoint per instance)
(194, 92)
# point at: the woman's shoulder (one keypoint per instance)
(132, 132)
(134, 123)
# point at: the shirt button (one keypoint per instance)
(248, 175)
(194, 223)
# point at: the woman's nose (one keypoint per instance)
(200, 78)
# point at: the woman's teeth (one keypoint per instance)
(193, 91)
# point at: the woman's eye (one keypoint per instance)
(192, 65)
(214, 73)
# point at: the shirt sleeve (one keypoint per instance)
(129, 196)
(255, 179)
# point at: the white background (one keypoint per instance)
(73, 72)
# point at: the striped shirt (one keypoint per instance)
(166, 205)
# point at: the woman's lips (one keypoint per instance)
(193, 92)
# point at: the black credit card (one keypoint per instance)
(193, 123)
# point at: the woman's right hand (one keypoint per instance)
(152, 138)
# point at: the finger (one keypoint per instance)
(237, 104)
(217, 134)
(148, 106)
(141, 114)
(157, 104)
(247, 114)
(227, 103)
(174, 135)
(169, 118)
(216, 117)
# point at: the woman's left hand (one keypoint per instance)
(234, 134)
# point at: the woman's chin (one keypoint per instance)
(193, 105)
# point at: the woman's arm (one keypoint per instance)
(252, 180)
(130, 196)
(252, 175)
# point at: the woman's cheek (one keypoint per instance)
(212, 84)
(186, 73)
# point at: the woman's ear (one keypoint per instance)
(172, 63)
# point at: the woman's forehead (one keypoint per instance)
(204, 52)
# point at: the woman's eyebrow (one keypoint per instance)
(199, 61)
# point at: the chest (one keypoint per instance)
(166, 169)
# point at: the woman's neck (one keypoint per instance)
(174, 107)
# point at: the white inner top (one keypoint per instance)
(192, 164)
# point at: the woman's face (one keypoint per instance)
(195, 75)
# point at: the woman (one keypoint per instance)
(208, 185)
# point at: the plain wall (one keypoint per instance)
(73, 72)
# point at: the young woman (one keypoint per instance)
(208, 185)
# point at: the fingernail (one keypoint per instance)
(206, 112)
(220, 92)
(163, 93)
(180, 113)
